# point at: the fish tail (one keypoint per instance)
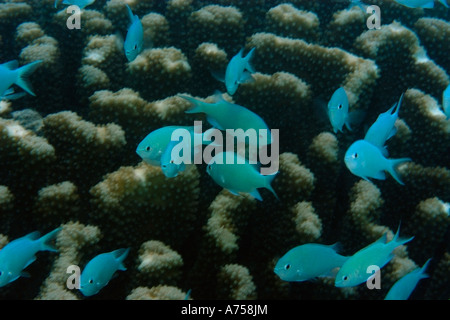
(398, 241)
(248, 58)
(393, 163)
(444, 2)
(198, 105)
(120, 255)
(422, 270)
(45, 239)
(24, 73)
(130, 13)
(268, 185)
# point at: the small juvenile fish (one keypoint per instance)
(426, 4)
(100, 270)
(20, 253)
(151, 148)
(168, 165)
(402, 289)
(446, 101)
(225, 115)
(79, 3)
(135, 37)
(354, 271)
(236, 174)
(338, 110)
(10, 74)
(365, 160)
(238, 71)
(309, 261)
(384, 128)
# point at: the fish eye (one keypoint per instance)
(91, 281)
(345, 278)
(171, 161)
(0, 273)
(355, 155)
(340, 106)
(164, 166)
(148, 148)
(287, 266)
(135, 46)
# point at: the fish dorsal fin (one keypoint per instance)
(11, 65)
(337, 247)
(33, 235)
(256, 195)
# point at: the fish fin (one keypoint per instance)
(24, 73)
(44, 245)
(33, 235)
(444, 3)
(269, 179)
(393, 163)
(384, 151)
(246, 77)
(380, 175)
(11, 65)
(337, 247)
(392, 133)
(56, 2)
(25, 274)
(422, 270)
(181, 167)
(397, 240)
(218, 75)
(355, 118)
(429, 5)
(214, 123)
(130, 13)
(234, 193)
(198, 108)
(248, 58)
(33, 259)
(255, 194)
(14, 96)
(120, 255)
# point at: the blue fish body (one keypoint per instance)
(426, 4)
(446, 101)
(355, 270)
(79, 3)
(225, 115)
(99, 271)
(238, 71)
(402, 289)
(309, 261)
(338, 110)
(384, 128)
(11, 74)
(365, 160)
(135, 37)
(20, 253)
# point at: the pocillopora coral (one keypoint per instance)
(68, 153)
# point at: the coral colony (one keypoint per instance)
(95, 203)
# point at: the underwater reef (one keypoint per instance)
(68, 155)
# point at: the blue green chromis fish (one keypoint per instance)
(20, 253)
(135, 37)
(426, 4)
(151, 148)
(309, 261)
(354, 271)
(79, 3)
(99, 271)
(446, 101)
(10, 74)
(402, 289)
(384, 128)
(365, 160)
(338, 110)
(226, 115)
(238, 71)
(236, 174)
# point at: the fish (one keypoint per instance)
(99, 271)
(239, 70)
(20, 253)
(234, 173)
(135, 37)
(309, 261)
(168, 165)
(225, 115)
(151, 148)
(384, 128)
(426, 4)
(446, 101)
(79, 3)
(358, 3)
(402, 289)
(354, 271)
(338, 113)
(366, 160)
(10, 74)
